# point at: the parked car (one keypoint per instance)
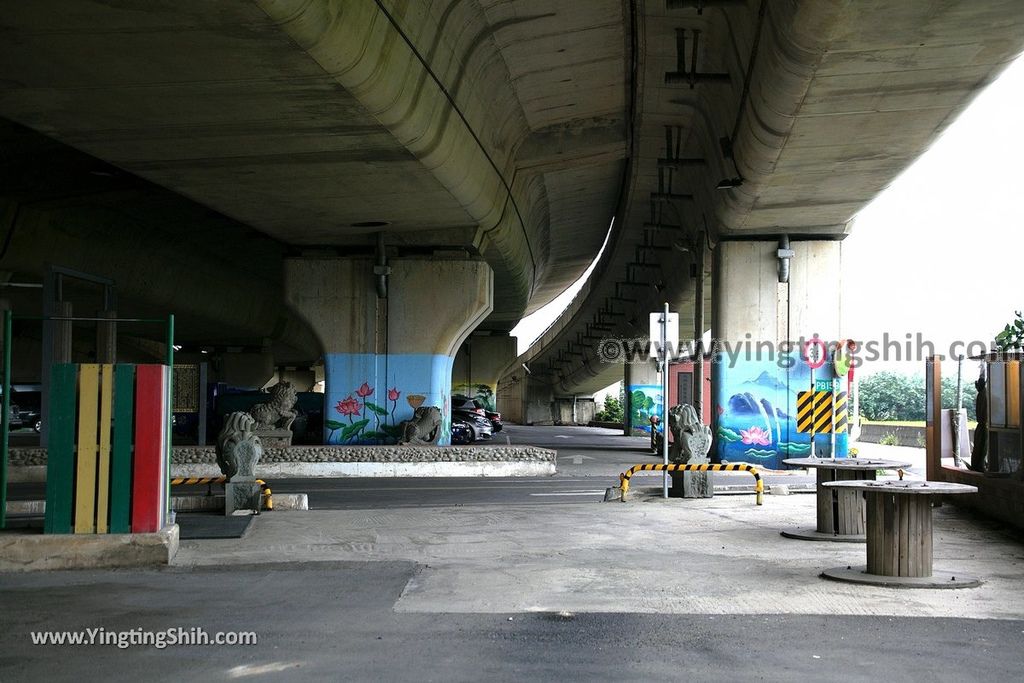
(462, 432)
(465, 403)
(14, 417)
(478, 424)
(25, 407)
(30, 417)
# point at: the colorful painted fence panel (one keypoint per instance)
(107, 455)
(149, 471)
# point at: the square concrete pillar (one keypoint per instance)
(386, 356)
(760, 327)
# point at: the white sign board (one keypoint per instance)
(671, 333)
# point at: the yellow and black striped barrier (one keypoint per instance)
(268, 499)
(179, 481)
(814, 412)
(705, 467)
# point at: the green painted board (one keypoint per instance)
(60, 460)
(121, 452)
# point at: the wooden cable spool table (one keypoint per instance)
(899, 535)
(841, 515)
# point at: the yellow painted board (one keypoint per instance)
(1013, 393)
(103, 481)
(85, 470)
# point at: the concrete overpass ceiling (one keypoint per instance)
(849, 94)
(566, 63)
(511, 128)
(322, 123)
(165, 253)
(213, 101)
(821, 105)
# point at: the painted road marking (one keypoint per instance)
(572, 493)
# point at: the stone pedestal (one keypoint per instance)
(274, 438)
(241, 495)
(692, 485)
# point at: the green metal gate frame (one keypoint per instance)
(5, 400)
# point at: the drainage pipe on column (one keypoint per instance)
(784, 254)
(698, 331)
(381, 269)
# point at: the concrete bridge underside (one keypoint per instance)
(190, 149)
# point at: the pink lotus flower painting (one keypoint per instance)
(756, 436)
(368, 422)
(348, 406)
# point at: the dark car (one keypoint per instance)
(465, 403)
(462, 432)
(30, 417)
(478, 424)
(25, 407)
(14, 416)
(495, 419)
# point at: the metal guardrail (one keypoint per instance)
(268, 495)
(706, 467)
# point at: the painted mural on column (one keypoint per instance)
(484, 393)
(645, 400)
(756, 406)
(367, 396)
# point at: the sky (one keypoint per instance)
(940, 252)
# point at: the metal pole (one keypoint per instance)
(955, 424)
(46, 359)
(832, 382)
(814, 401)
(664, 399)
(5, 421)
(698, 332)
(170, 411)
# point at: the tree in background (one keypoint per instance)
(612, 411)
(886, 396)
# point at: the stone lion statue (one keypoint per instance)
(691, 438)
(424, 427)
(238, 447)
(276, 413)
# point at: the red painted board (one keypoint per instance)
(149, 475)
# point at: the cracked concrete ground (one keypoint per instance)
(714, 556)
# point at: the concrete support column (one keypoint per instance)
(385, 356)
(480, 362)
(643, 397)
(759, 328)
(245, 369)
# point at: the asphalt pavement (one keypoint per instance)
(530, 579)
(335, 621)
